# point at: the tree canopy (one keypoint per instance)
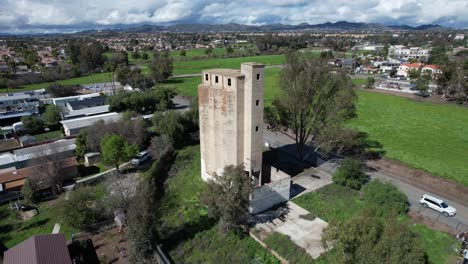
(366, 238)
(52, 116)
(312, 99)
(115, 150)
(350, 174)
(161, 66)
(228, 196)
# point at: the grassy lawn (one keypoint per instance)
(189, 86)
(51, 135)
(192, 237)
(359, 81)
(428, 136)
(334, 202)
(14, 230)
(196, 66)
(92, 78)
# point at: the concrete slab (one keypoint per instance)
(304, 233)
(308, 181)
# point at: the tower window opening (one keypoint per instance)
(257, 102)
(229, 82)
(206, 77)
(216, 79)
(258, 76)
(256, 129)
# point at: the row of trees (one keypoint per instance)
(143, 102)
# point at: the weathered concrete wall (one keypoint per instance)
(231, 114)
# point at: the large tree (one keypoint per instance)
(161, 66)
(227, 197)
(52, 115)
(369, 239)
(115, 150)
(312, 100)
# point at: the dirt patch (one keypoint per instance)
(429, 222)
(111, 246)
(422, 179)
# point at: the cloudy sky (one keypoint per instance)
(70, 15)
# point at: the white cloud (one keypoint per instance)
(17, 14)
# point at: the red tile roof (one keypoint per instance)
(412, 65)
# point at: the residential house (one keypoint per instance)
(16, 105)
(21, 158)
(12, 179)
(431, 69)
(404, 69)
(404, 53)
(74, 126)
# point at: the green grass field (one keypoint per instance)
(189, 86)
(196, 66)
(88, 79)
(14, 230)
(428, 136)
(194, 238)
(334, 202)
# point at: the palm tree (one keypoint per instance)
(111, 67)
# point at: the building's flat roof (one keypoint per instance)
(255, 64)
(226, 72)
(79, 97)
(14, 97)
(88, 111)
(90, 120)
(58, 146)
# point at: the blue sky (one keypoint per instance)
(70, 15)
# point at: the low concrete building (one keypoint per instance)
(92, 158)
(74, 126)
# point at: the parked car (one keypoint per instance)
(438, 205)
(140, 158)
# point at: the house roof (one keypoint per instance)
(431, 66)
(14, 175)
(58, 146)
(90, 120)
(87, 111)
(88, 102)
(412, 65)
(40, 249)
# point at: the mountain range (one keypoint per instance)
(232, 27)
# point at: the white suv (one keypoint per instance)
(438, 205)
(140, 158)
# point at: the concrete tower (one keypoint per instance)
(231, 119)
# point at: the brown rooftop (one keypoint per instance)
(40, 249)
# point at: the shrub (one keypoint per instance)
(385, 198)
(287, 249)
(350, 174)
(79, 210)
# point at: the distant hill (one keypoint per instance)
(233, 27)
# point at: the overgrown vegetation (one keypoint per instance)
(287, 249)
(350, 174)
(144, 102)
